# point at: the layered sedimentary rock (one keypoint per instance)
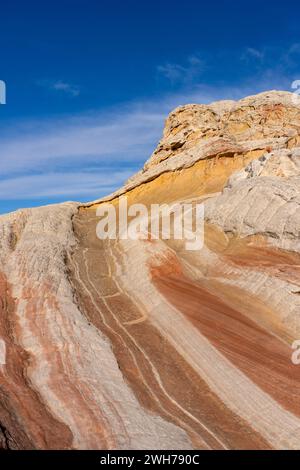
(142, 343)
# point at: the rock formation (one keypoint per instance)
(139, 344)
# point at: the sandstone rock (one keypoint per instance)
(251, 121)
(263, 198)
(248, 129)
(142, 343)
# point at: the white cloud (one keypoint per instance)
(119, 137)
(290, 56)
(60, 86)
(172, 72)
(185, 74)
(66, 88)
(65, 184)
(80, 157)
(252, 53)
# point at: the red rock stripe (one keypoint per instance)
(264, 358)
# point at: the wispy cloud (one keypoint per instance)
(253, 54)
(80, 157)
(119, 136)
(66, 88)
(290, 56)
(183, 73)
(59, 185)
(60, 86)
(282, 60)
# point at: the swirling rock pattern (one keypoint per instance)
(123, 344)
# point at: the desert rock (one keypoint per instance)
(123, 344)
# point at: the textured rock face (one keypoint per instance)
(263, 198)
(144, 344)
(257, 121)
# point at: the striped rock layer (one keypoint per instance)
(143, 344)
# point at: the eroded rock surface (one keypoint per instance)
(121, 344)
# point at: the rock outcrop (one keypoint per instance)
(122, 344)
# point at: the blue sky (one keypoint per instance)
(90, 83)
